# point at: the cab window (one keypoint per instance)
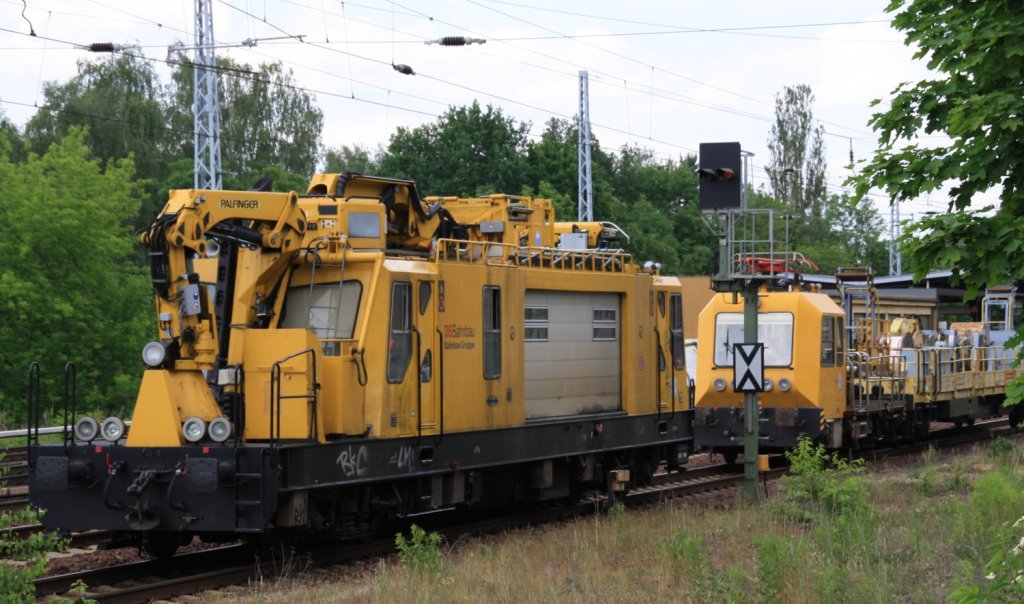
(774, 330)
(400, 340)
(329, 309)
(492, 332)
(828, 342)
(675, 329)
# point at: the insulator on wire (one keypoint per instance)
(104, 47)
(403, 69)
(456, 41)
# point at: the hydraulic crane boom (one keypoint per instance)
(189, 225)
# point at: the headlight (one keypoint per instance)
(220, 429)
(153, 354)
(719, 384)
(767, 385)
(86, 429)
(784, 385)
(112, 429)
(194, 429)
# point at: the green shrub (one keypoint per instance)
(822, 483)
(617, 511)
(16, 579)
(421, 552)
(996, 499)
(1004, 578)
(1001, 447)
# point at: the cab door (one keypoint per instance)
(673, 388)
(428, 371)
(677, 350)
(832, 391)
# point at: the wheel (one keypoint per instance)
(644, 466)
(162, 544)
(1016, 416)
(730, 456)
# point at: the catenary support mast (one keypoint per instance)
(586, 189)
(205, 106)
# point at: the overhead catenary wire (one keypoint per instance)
(42, 56)
(690, 29)
(477, 91)
(616, 78)
(417, 13)
(627, 132)
(665, 94)
(24, 7)
(250, 75)
(646, 89)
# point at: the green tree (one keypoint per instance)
(650, 230)
(266, 121)
(663, 227)
(697, 242)
(9, 131)
(356, 158)
(637, 173)
(796, 152)
(846, 234)
(70, 288)
(553, 159)
(975, 49)
(643, 195)
(466, 152)
(120, 101)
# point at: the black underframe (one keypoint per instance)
(201, 496)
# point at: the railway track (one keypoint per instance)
(237, 564)
(75, 540)
(190, 573)
(13, 467)
(13, 500)
(17, 453)
(13, 478)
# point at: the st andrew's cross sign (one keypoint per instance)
(748, 367)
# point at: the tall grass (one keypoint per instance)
(833, 534)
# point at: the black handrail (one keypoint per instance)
(70, 395)
(238, 404)
(276, 396)
(357, 357)
(34, 404)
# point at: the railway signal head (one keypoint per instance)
(720, 175)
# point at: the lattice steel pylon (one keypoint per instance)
(586, 188)
(895, 231)
(205, 104)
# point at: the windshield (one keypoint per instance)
(774, 330)
(329, 309)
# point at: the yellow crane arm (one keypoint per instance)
(184, 229)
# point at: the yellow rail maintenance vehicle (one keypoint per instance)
(360, 354)
(847, 375)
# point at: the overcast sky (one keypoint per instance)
(663, 75)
